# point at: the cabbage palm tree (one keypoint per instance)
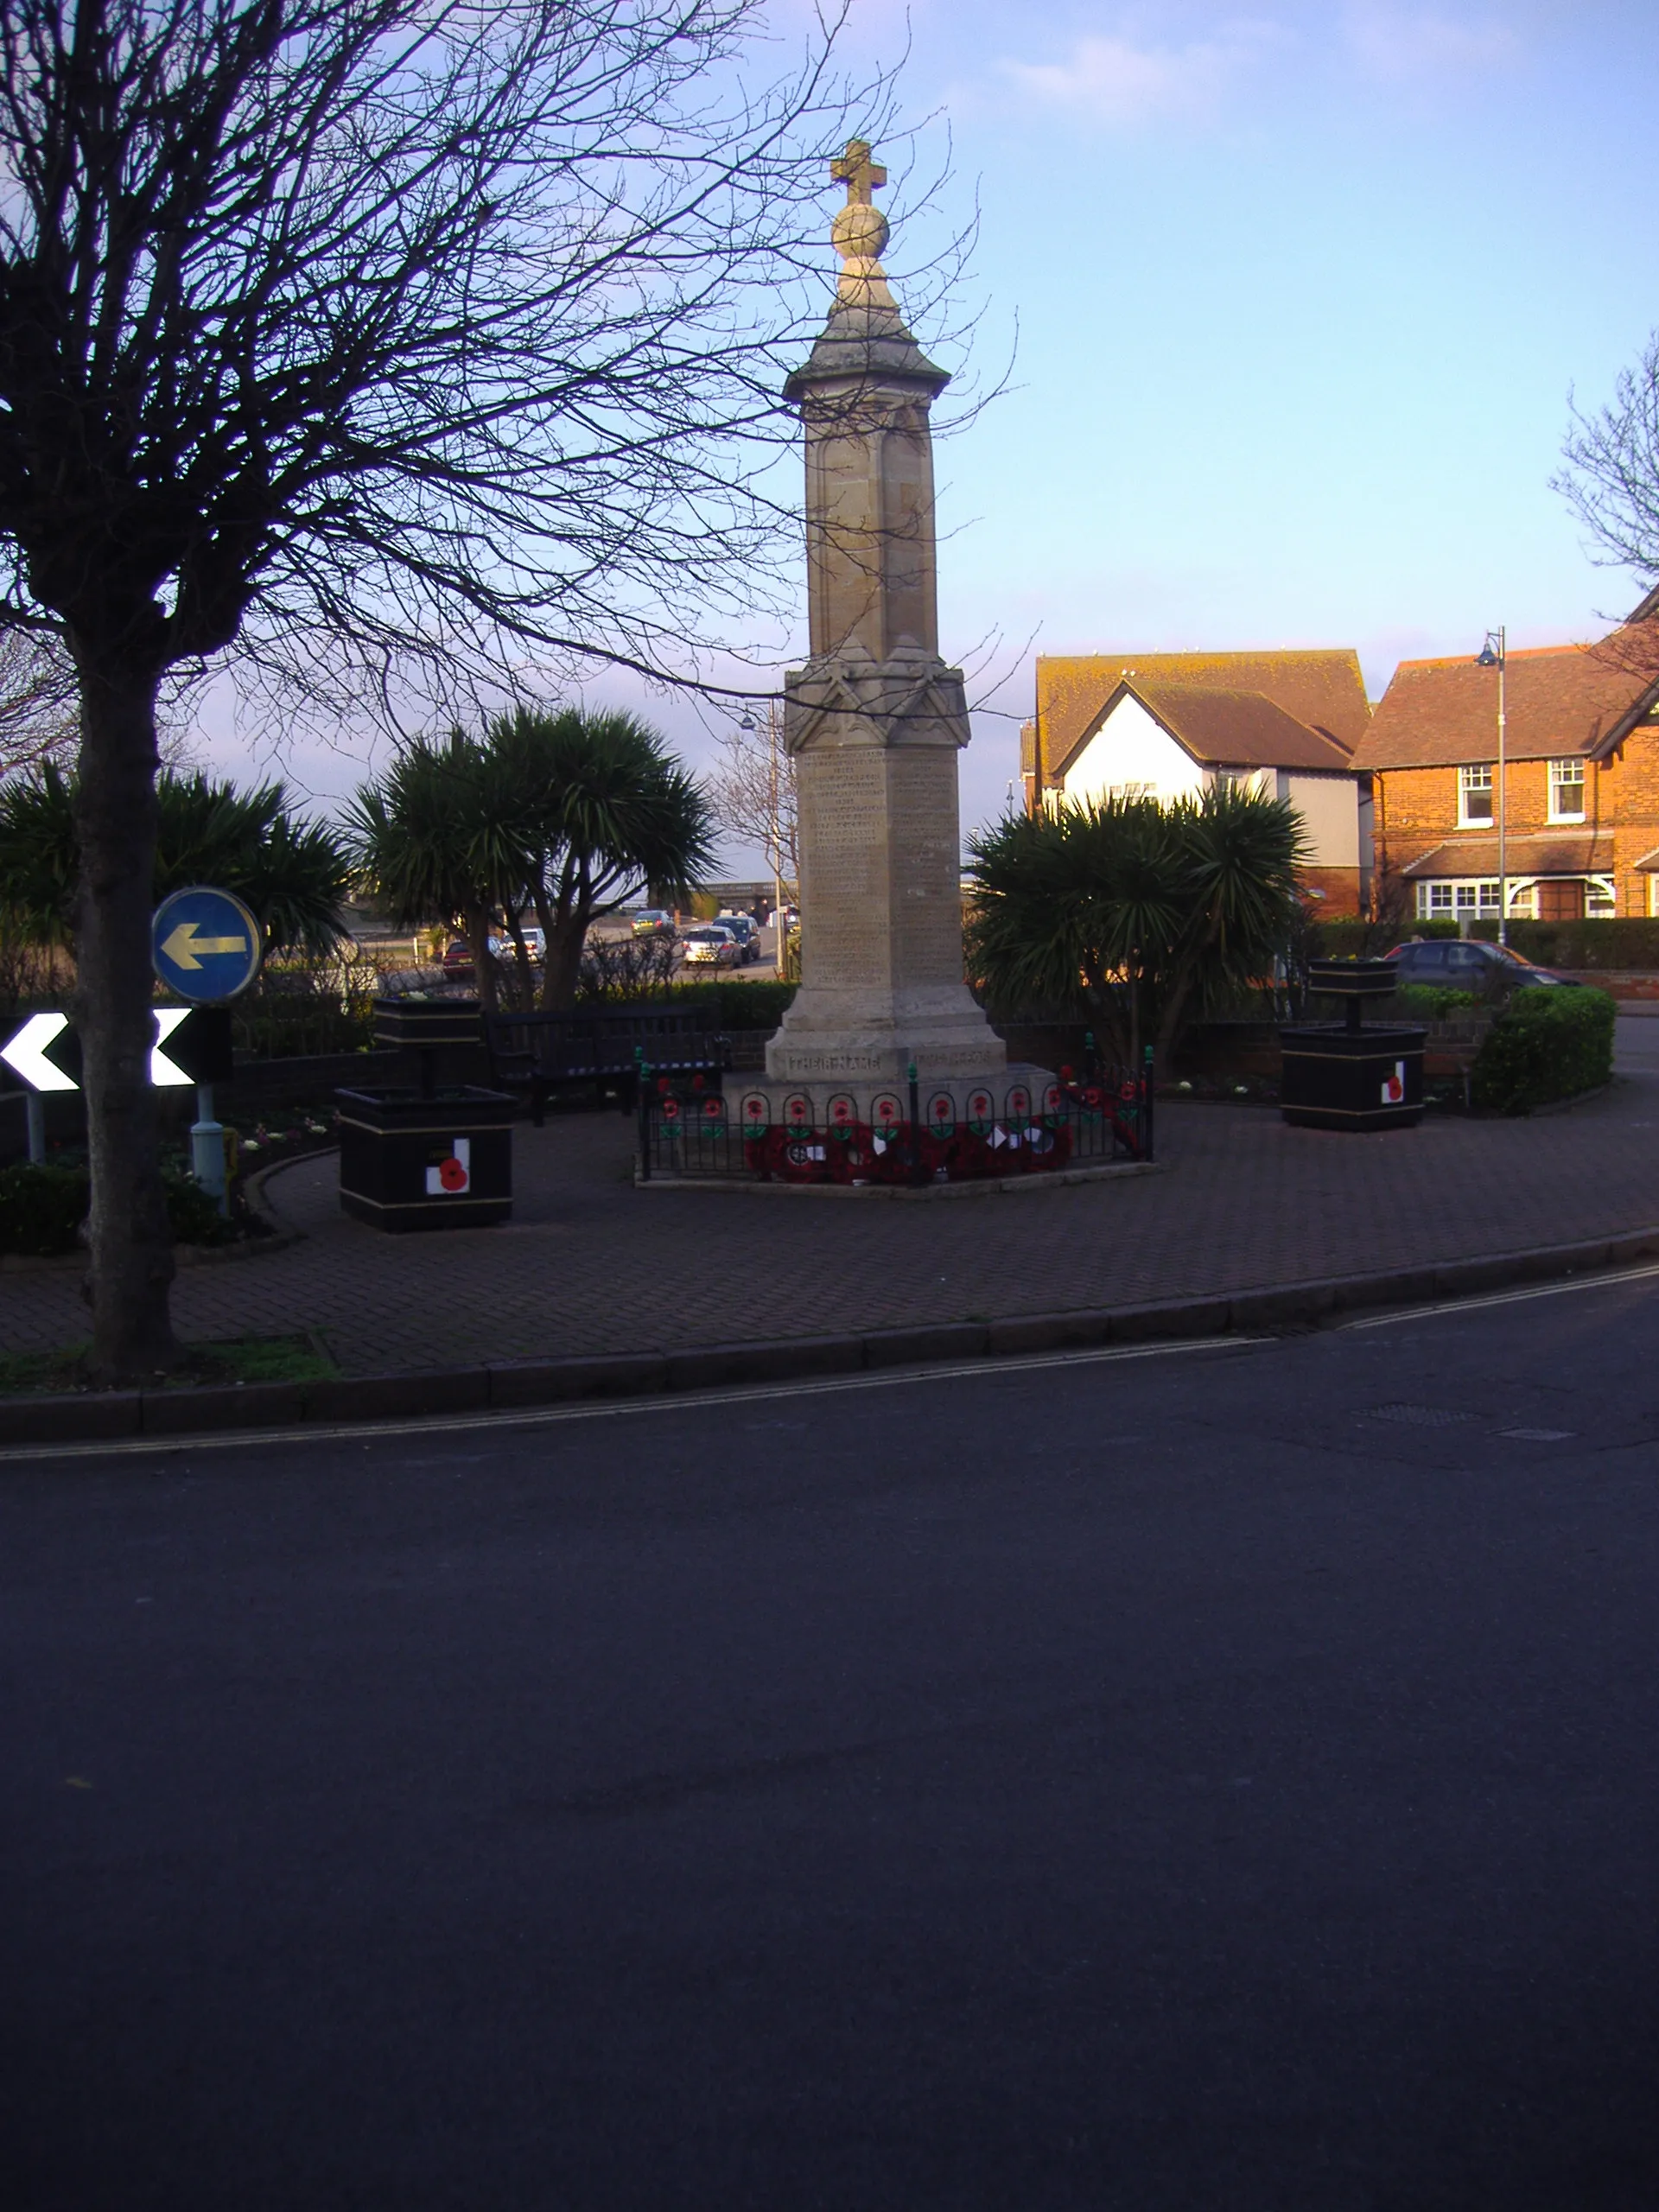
(555, 812)
(608, 811)
(293, 873)
(439, 838)
(1130, 913)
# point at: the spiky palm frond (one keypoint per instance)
(294, 873)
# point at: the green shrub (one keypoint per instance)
(1545, 1044)
(193, 1217)
(41, 1209)
(1428, 1002)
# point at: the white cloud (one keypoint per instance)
(1120, 82)
(1410, 45)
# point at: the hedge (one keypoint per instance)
(1630, 943)
(42, 1210)
(1346, 938)
(1546, 1044)
(759, 1005)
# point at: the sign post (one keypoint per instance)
(205, 945)
(24, 1053)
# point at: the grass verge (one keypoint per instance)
(237, 1359)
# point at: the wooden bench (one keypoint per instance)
(537, 1055)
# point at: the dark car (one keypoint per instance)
(1468, 964)
(742, 927)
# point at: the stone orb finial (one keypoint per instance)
(858, 231)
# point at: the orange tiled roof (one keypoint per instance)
(1320, 687)
(1235, 729)
(1577, 853)
(1560, 701)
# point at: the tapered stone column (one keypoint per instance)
(875, 719)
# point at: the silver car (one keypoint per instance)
(711, 944)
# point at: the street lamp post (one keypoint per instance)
(774, 793)
(1494, 654)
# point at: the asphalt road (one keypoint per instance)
(1224, 1779)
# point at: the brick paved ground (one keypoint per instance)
(590, 1264)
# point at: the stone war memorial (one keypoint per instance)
(884, 1068)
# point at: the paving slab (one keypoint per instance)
(590, 1267)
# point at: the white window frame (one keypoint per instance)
(1576, 773)
(1600, 899)
(1448, 898)
(1475, 776)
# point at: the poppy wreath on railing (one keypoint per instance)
(1113, 1102)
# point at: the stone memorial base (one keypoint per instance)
(1016, 1091)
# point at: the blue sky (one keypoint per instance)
(1299, 293)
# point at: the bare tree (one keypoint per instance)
(754, 790)
(37, 701)
(1612, 483)
(345, 329)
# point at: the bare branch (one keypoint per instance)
(37, 701)
(755, 792)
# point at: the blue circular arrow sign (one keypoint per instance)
(204, 944)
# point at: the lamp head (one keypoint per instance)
(1486, 657)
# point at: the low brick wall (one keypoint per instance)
(1618, 983)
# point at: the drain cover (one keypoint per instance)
(1418, 1416)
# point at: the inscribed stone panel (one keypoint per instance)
(927, 865)
(844, 866)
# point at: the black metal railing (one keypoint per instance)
(912, 1135)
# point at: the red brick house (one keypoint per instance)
(1581, 781)
(1169, 725)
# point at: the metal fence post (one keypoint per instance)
(1145, 1108)
(916, 1173)
(642, 1108)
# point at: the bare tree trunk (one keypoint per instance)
(131, 1247)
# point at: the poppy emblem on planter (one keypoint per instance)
(887, 1112)
(755, 1109)
(1051, 1099)
(941, 1108)
(451, 1176)
(1394, 1086)
(1019, 1105)
(840, 1111)
(670, 1109)
(713, 1109)
(797, 1112)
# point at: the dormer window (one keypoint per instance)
(1567, 791)
(1475, 796)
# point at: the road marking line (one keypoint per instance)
(1505, 1298)
(614, 1408)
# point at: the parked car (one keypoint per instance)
(535, 945)
(458, 956)
(654, 921)
(1468, 964)
(711, 944)
(743, 927)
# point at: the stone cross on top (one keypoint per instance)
(860, 229)
(858, 173)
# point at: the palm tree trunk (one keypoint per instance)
(478, 936)
(566, 935)
(131, 1247)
